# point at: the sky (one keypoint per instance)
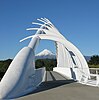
(77, 20)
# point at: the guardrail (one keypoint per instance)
(94, 70)
(93, 77)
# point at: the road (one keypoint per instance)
(58, 87)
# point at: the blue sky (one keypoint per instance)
(77, 20)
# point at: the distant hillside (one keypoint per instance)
(87, 58)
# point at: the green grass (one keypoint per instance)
(93, 66)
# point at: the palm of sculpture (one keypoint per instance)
(22, 77)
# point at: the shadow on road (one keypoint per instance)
(52, 84)
(53, 80)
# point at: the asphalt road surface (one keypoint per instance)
(58, 87)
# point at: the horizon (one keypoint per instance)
(41, 55)
(77, 21)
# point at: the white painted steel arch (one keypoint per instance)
(22, 77)
(75, 61)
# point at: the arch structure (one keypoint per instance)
(22, 77)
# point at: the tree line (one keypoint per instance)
(94, 60)
(49, 64)
(4, 64)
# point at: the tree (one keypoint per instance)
(94, 60)
(4, 66)
(49, 64)
(39, 63)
